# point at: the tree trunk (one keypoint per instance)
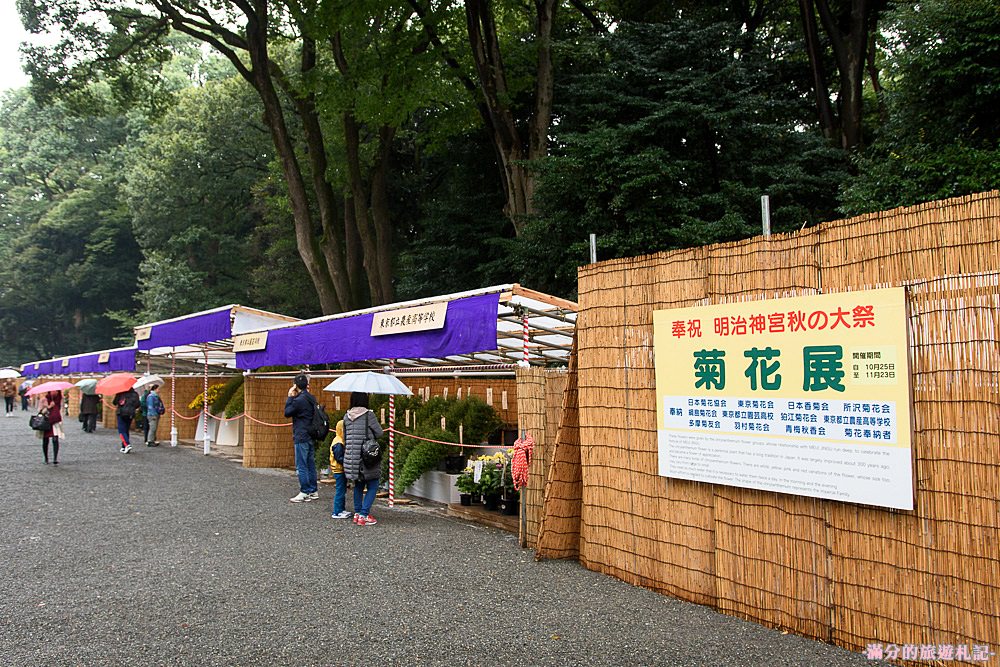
(274, 116)
(359, 194)
(824, 110)
(514, 152)
(850, 49)
(331, 244)
(380, 213)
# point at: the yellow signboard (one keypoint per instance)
(807, 395)
(250, 342)
(407, 320)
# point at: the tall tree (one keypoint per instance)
(848, 26)
(941, 135)
(268, 46)
(67, 249)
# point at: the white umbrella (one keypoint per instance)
(147, 380)
(9, 374)
(88, 386)
(369, 383)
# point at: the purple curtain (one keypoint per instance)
(470, 326)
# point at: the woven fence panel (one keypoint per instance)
(834, 571)
(635, 525)
(267, 435)
(531, 410)
(499, 392)
(559, 521)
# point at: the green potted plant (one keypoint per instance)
(467, 486)
(491, 479)
(509, 497)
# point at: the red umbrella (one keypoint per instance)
(115, 383)
(54, 385)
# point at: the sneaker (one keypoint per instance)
(149, 444)
(122, 450)
(341, 515)
(300, 498)
(312, 496)
(154, 444)
(128, 448)
(367, 521)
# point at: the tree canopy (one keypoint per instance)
(313, 158)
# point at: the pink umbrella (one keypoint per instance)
(115, 383)
(54, 385)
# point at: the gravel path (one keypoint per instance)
(168, 557)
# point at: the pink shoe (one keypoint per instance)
(367, 521)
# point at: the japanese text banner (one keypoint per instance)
(806, 395)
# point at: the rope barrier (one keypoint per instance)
(182, 416)
(441, 442)
(251, 418)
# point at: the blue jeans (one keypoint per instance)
(123, 428)
(363, 507)
(340, 495)
(305, 465)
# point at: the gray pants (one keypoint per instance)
(154, 421)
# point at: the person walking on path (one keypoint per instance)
(153, 408)
(89, 404)
(337, 470)
(51, 407)
(300, 406)
(126, 403)
(360, 424)
(9, 392)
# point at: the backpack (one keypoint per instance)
(319, 427)
(127, 405)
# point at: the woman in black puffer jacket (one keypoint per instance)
(359, 425)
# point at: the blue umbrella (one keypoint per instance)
(88, 386)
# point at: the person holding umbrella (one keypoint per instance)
(9, 392)
(51, 406)
(360, 424)
(126, 402)
(90, 403)
(23, 391)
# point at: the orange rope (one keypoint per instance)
(183, 417)
(441, 442)
(264, 423)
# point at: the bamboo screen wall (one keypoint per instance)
(839, 572)
(271, 447)
(539, 408)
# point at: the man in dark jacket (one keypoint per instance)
(300, 406)
(89, 406)
(126, 403)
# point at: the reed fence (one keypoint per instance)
(850, 574)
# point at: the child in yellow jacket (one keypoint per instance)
(337, 470)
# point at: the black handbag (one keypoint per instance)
(40, 422)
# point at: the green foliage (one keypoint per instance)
(423, 457)
(666, 140)
(67, 254)
(466, 482)
(235, 405)
(941, 136)
(225, 395)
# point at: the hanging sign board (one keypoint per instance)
(250, 342)
(143, 333)
(407, 320)
(65, 363)
(104, 357)
(807, 395)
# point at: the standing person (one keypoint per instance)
(300, 406)
(359, 425)
(23, 391)
(51, 406)
(337, 470)
(153, 408)
(140, 416)
(126, 403)
(9, 392)
(89, 404)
